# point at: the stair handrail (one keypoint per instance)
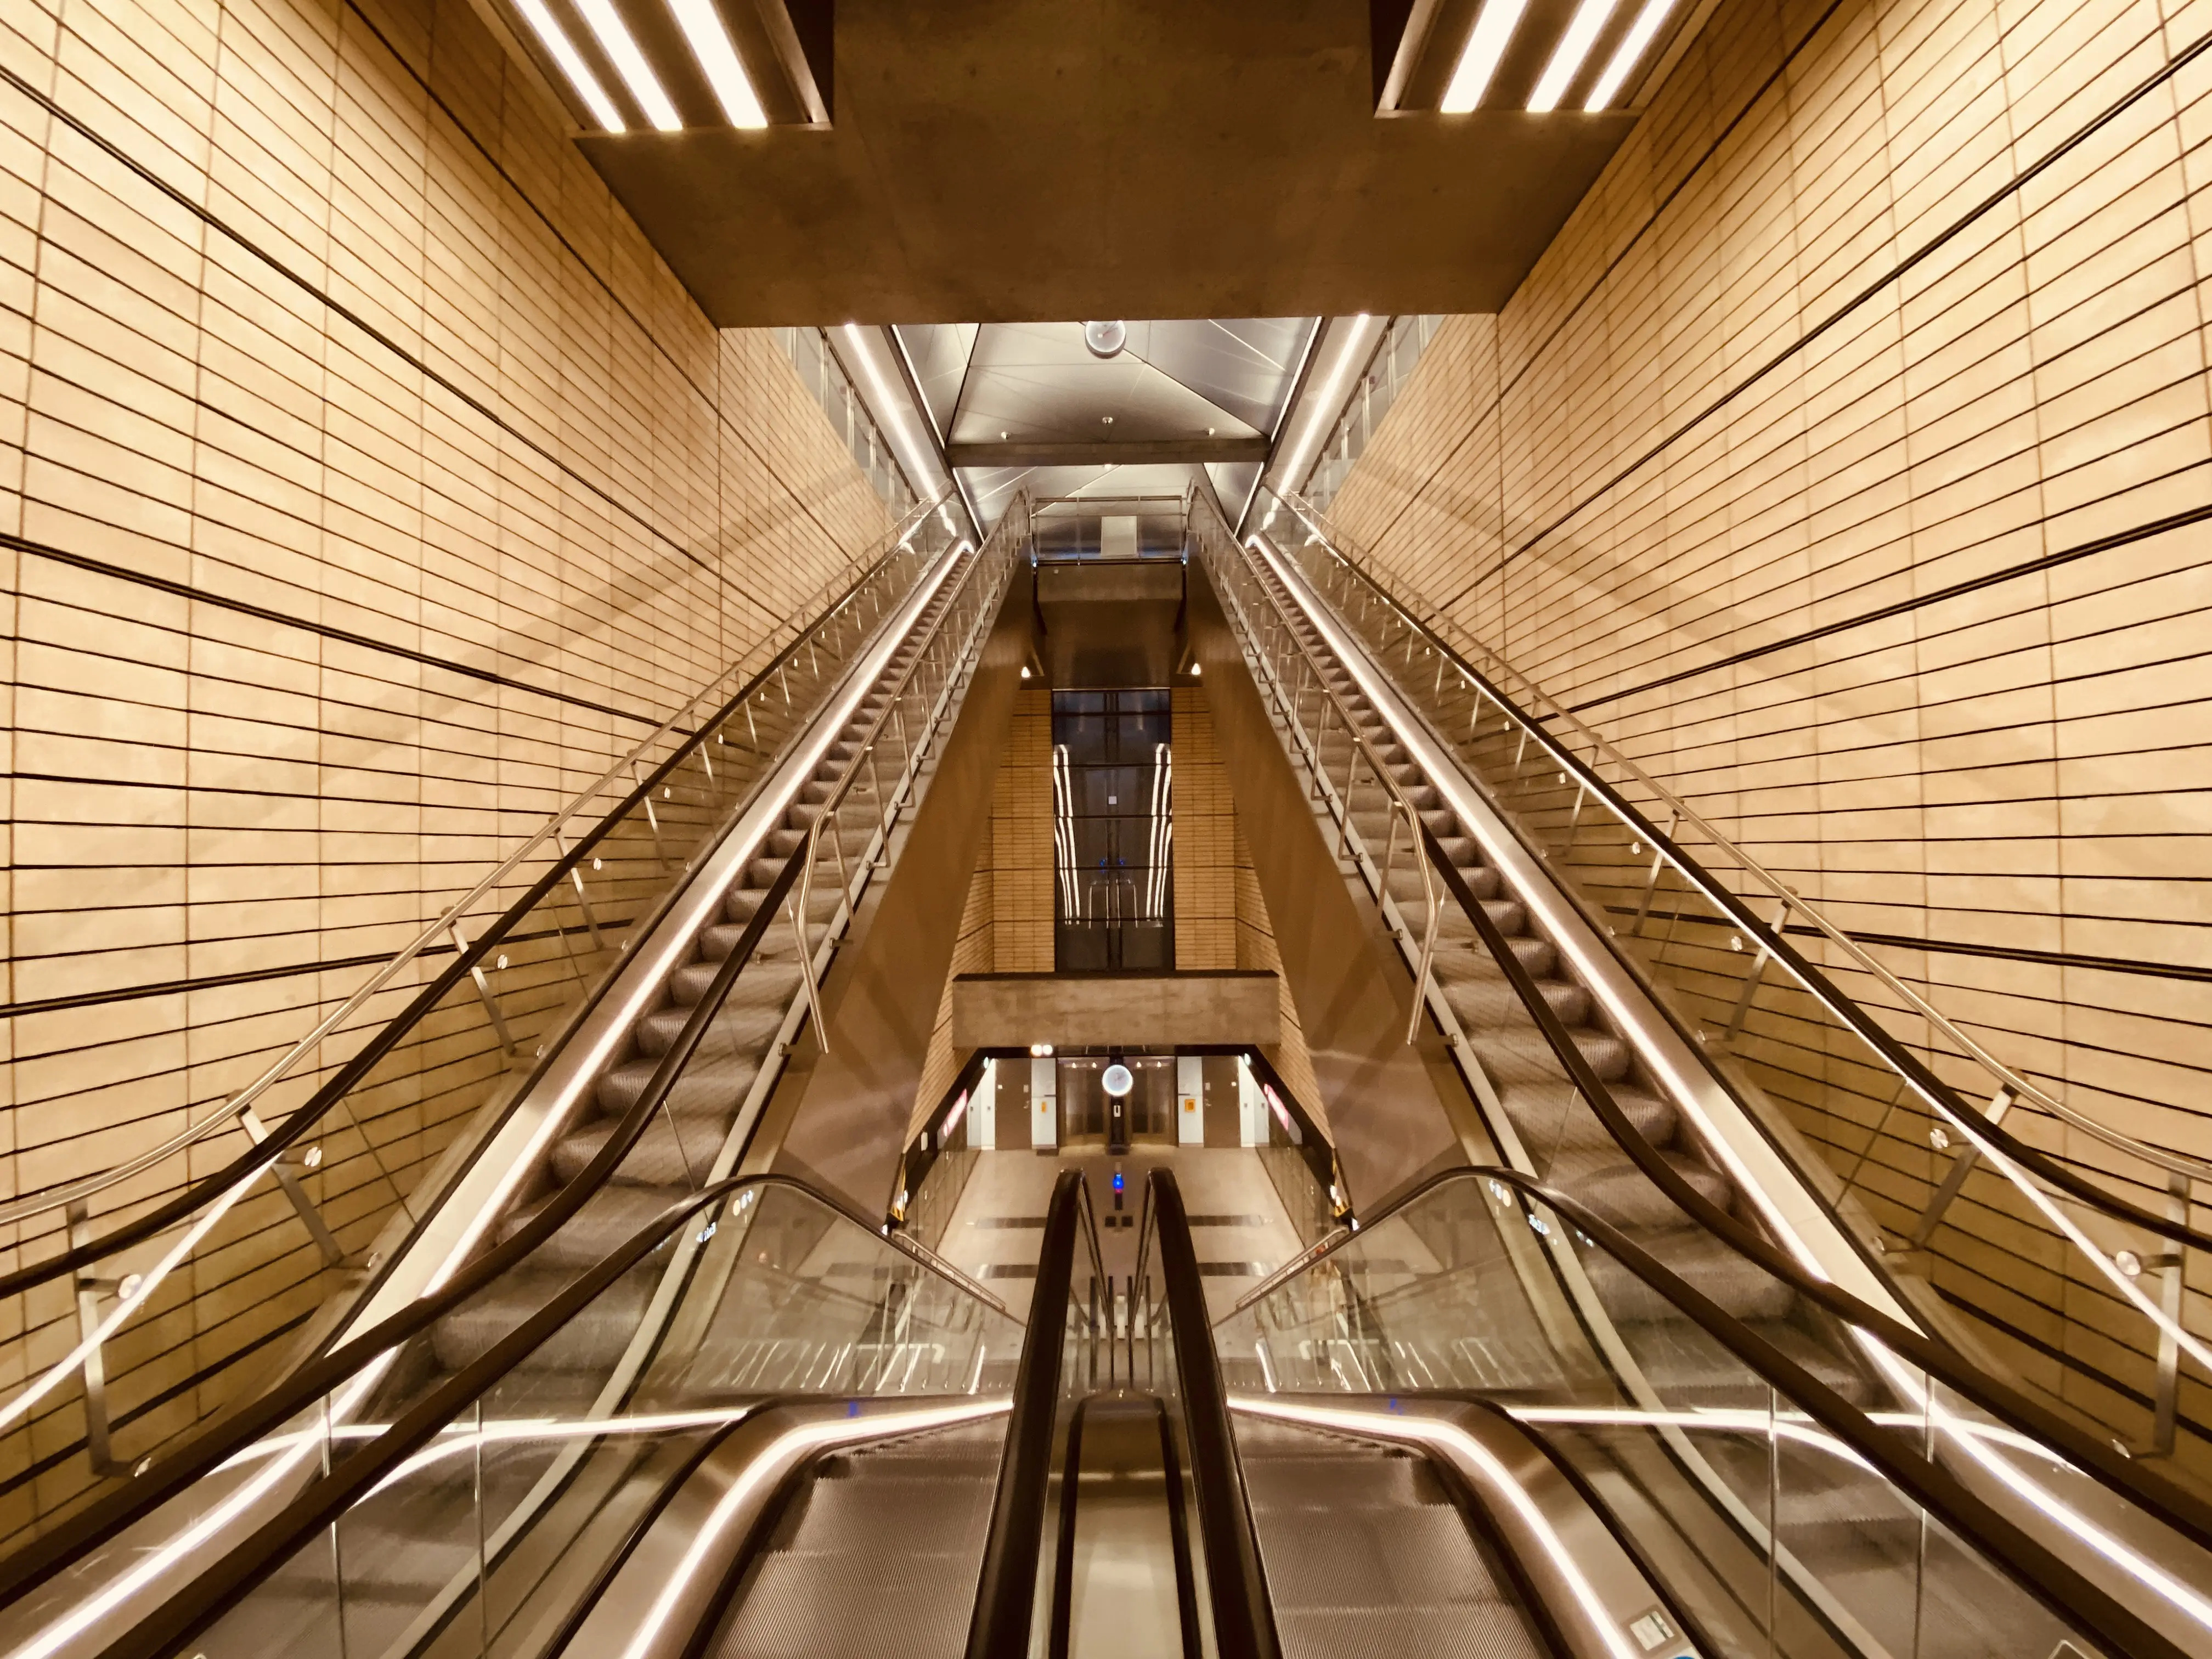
(2009, 1083)
(1014, 525)
(80, 1187)
(1292, 704)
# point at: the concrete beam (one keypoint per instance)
(1104, 1011)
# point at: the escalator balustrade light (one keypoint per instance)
(707, 1231)
(1498, 1191)
(1538, 1225)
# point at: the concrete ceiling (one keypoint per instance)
(1030, 405)
(1010, 161)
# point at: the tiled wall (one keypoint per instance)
(1846, 461)
(1204, 839)
(367, 483)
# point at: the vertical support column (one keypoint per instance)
(1251, 1107)
(1190, 1100)
(1044, 1102)
(983, 1109)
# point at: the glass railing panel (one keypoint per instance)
(769, 1293)
(1724, 1481)
(190, 1318)
(2024, 1270)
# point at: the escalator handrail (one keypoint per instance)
(2043, 1574)
(62, 1546)
(1006, 1589)
(189, 1611)
(2174, 1504)
(1846, 1008)
(1237, 1583)
(2164, 1501)
(249, 1163)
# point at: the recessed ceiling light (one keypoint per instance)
(1002, 437)
(556, 40)
(1631, 48)
(710, 44)
(1567, 60)
(1486, 44)
(616, 39)
(1105, 420)
(1209, 432)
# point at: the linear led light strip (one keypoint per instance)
(1493, 32)
(1326, 409)
(1463, 1446)
(1155, 894)
(710, 44)
(617, 41)
(806, 1437)
(1063, 827)
(555, 39)
(1567, 57)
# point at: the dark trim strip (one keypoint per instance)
(55, 1459)
(284, 619)
(255, 976)
(1927, 250)
(1948, 947)
(2012, 953)
(1906, 607)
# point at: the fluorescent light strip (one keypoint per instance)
(1328, 408)
(1478, 62)
(1630, 51)
(710, 44)
(616, 40)
(894, 411)
(1063, 829)
(555, 39)
(1567, 58)
(1433, 1432)
(770, 1461)
(1156, 888)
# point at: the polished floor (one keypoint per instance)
(1243, 1231)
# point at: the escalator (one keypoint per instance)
(1624, 1390)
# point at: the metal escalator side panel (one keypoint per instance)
(1785, 1201)
(1589, 1592)
(484, 1190)
(665, 1600)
